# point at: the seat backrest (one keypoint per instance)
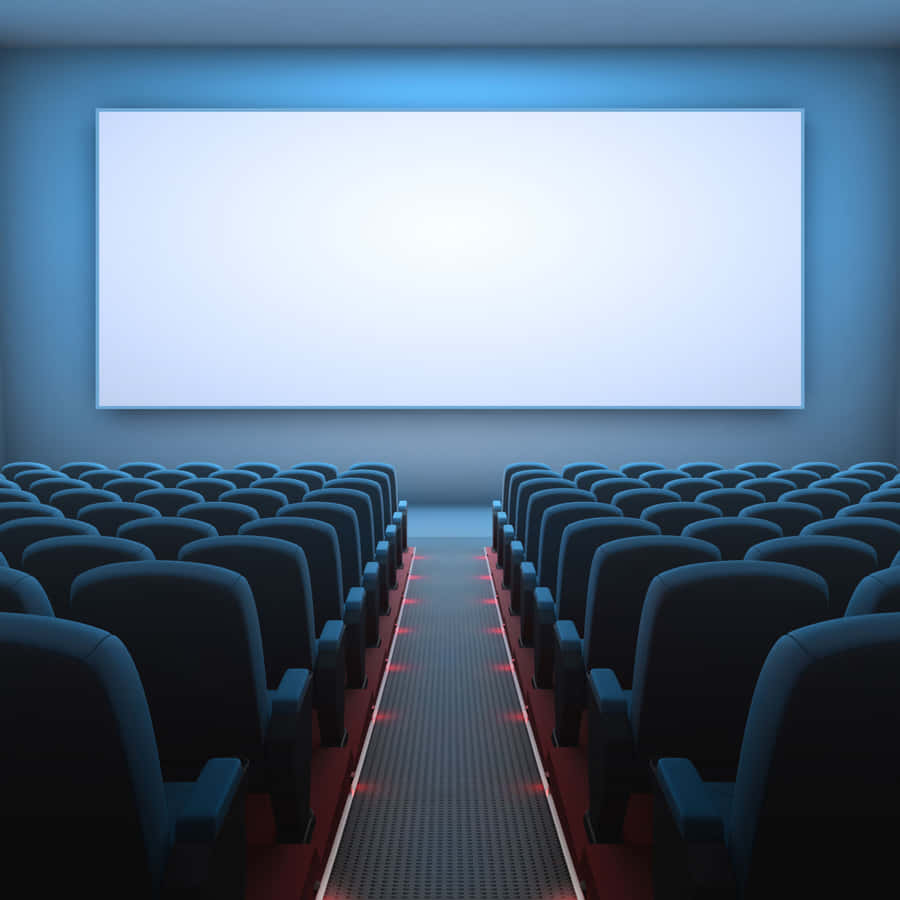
(76, 469)
(606, 489)
(587, 478)
(107, 517)
(824, 469)
(389, 470)
(166, 535)
(842, 561)
(760, 469)
(519, 478)
(671, 518)
(553, 523)
(26, 510)
(634, 501)
(199, 469)
(128, 488)
(700, 469)
(28, 477)
(801, 478)
(193, 632)
(209, 487)
(733, 535)
(889, 470)
(173, 477)
(57, 561)
(45, 488)
(730, 478)
(344, 521)
(572, 470)
(70, 501)
(827, 500)
(639, 469)
(792, 518)
(688, 488)
(814, 812)
(22, 593)
(80, 778)
(96, 478)
(319, 542)
(882, 495)
(258, 467)
(730, 500)
(11, 469)
(770, 487)
(870, 508)
(361, 504)
(871, 477)
(537, 503)
(327, 470)
(882, 535)
(312, 480)
(17, 534)
(226, 518)
(388, 502)
(578, 544)
(139, 469)
(14, 495)
(854, 488)
(265, 501)
(373, 489)
(523, 494)
(169, 500)
(240, 478)
(704, 634)
(513, 469)
(658, 478)
(878, 592)
(620, 574)
(277, 573)
(293, 489)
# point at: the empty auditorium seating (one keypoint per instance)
(262, 469)
(129, 488)
(199, 469)
(878, 592)
(730, 500)
(169, 501)
(639, 469)
(770, 487)
(699, 469)
(871, 477)
(45, 488)
(586, 479)
(11, 469)
(27, 509)
(733, 535)
(606, 489)
(730, 478)
(139, 469)
(26, 477)
(15, 495)
(226, 518)
(658, 478)
(889, 470)
(760, 469)
(17, 534)
(312, 480)
(688, 488)
(328, 470)
(791, 517)
(878, 509)
(209, 487)
(671, 518)
(22, 593)
(570, 471)
(76, 469)
(265, 501)
(882, 535)
(240, 478)
(107, 517)
(293, 489)
(854, 488)
(173, 477)
(97, 478)
(827, 500)
(166, 535)
(634, 501)
(801, 478)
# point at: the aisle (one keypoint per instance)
(449, 802)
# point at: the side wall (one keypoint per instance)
(852, 200)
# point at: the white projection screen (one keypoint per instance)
(490, 258)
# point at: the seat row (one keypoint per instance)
(662, 636)
(236, 637)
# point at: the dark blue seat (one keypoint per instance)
(871, 477)
(570, 471)
(658, 478)
(107, 517)
(77, 469)
(634, 501)
(15, 495)
(882, 495)
(139, 469)
(22, 593)
(730, 500)
(171, 478)
(128, 488)
(607, 488)
(240, 478)
(812, 809)
(733, 535)
(266, 502)
(26, 478)
(824, 469)
(878, 592)
(760, 469)
(800, 478)
(166, 535)
(390, 471)
(704, 633)
(85, 808)
(827, 500)
(169, 501)
(870, 508)
(199, 469)
(56, 561)
(97, 478)
(688, 488)
(262, 469)
(882, 535)
(730, 478)
(45, 488)
(842, 561)
(770, 487)
(11, 469)
(17, 534)
(540, 501)
(889, 470)
(792, 518)
(226, 518)
(319, 542)
(70, 501)
(587, 478)
(639, 469)
(394, 513)
(671, 518)
(193, 632)
(854, 488)
(327, 470)
(621, 572)
(700, 469)
(293, 490)
(209, 487)
(312, 480)
(278, 575)
(26, 510)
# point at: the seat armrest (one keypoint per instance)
(213, 793)
(568, 641)
(501, 525)
(393, 540)
(287, 702)
(544, 638)
(372, 601)
(521, 603)
(570, 677)
(382, 557)
(507, 536)
(402, 508)
(355, 620)
(328, 645)
(688, 800)
(608, 696)
(496, 508)
(397, 520)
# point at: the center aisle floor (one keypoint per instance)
(449, 802)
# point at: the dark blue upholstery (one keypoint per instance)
(11, 469)
(800, 478)
(169, 501)
(878, 592)
(45, 488)
(17, 534)
(367, 486)
(15, 495)
(812, 810)
(166, 535)
(704, 634)
(327, 470)
(265, 502)
(620, 574)
(700, 469)
(570, 471)
(85, 808)
(382, 479)
(513, 469)
(658, 478)
(842, 561)
(824, 469)
(258, 467)
(57, 561)
(730, 500)
(77, 469)
(639, 469)
(634, 501)
(199, 469)
(139, 469)
(854, 488)
(312, 480)
(173, 477)
(671, 518)
(760, 469)
(882, 535)
(730, 478)
(688, 488)
(226, 518)
(792, 518)
(209, 487)
(586, 479)
(771, 488)
(107, 517)
(193, 632)
(540, 501)
(871, 477)
(870, 508)
(240, 478)
(26, 478)
(607, 488)
(390, 471)
(27, 509)
(733, 535)
(361, 504)
(293, 489)
(22, 593)
(128, 488)
(882, 495)
(827, 500)
(70, 501)
(889, 470)
(97, 478)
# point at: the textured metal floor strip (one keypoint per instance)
(448, 801)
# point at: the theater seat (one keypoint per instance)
(882, 495)
(771, 488)
(733, 535)
(699, 469)
(22, 593)
(27, 510)
(97, 478)
(85, 809)
(671, 518)
(730, 478)
(799, 477)
(70, 501)
(587, 478)
(193, 632)
(139, 469)
(792, 518)
(325, 469)
(658, 478)
(639, 469)
(169, 501)
(825, 469)
(17, 534)
(878, 592)
(266, 502)
(730, 500)
(226, 518)
(199, 469)
(869, 508)
(854, 488)
(263, 469)
(760, 469)
(312, 480)
(26, 478)
(889, 470)
(873, 478)
(570, 471)
(606, 489)
(45, 488)
(634, 501)
(689, 488)
(170, 478)
(107, 517)
(15, 495)
(827, 500)
(11, 469)
(240, 478)
(704, 634)
(129, 488)
(812, 811)
(76, 469)
(293, 490)
(166, 535)
(882, 535)
(208, 487)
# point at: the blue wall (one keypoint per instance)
(852, 275)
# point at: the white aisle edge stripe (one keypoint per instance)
(326, 874)
(573, 875)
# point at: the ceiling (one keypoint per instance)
(850, 23)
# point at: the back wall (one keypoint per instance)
(852, 214)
